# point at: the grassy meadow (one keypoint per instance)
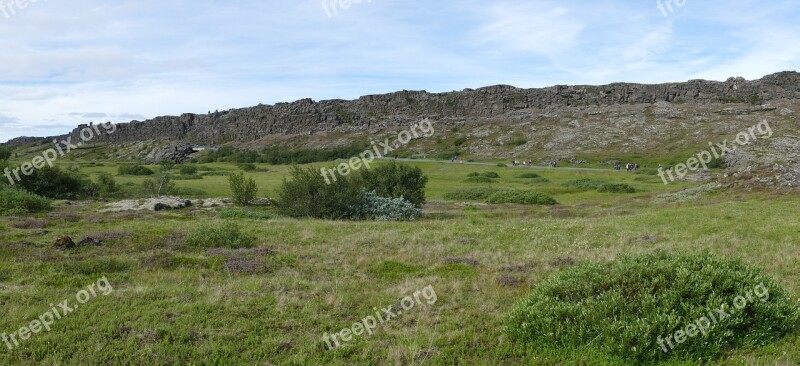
(179, 305)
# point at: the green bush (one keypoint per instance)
(586, 184)
(539, 180)
(222, 235)
(490, 175)
(134, 170)
(529, 175)
(56, 183)
(188, 169)
(480, 179)
(518, 142)
(718, 163)
(473, 174)
(623, 308)
(474, 194)
(521, 197)
(244, 190)
(396, 180)
(459, 141)
(306, 194)
(248, 167)
(107, 185)
(616, 188)
(15, 201)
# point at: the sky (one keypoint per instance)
(63, 63)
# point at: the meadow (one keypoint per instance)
(272, 304)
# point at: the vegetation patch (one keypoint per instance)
(622, 308)
(480, 179)
(14, 201)
(473, 194)
(521, 197)
(223, 235)
(616, 188)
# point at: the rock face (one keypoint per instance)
(306, 117)
(174, 152)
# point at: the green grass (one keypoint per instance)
(179, 304)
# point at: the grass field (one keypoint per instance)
(172, 304)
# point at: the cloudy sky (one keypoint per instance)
(69, 62)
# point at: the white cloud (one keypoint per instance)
(537, 28)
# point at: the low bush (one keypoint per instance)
(490, 175)
(244, 190)
(529, 175)
(222, 235)
(388, 209)
(188, 169)
(627, 308)
(539, 180)
(474, 194)
(134, 170)
(15, 201)
(521, 197)
(586, 184)
(473, 174)
(616, 188)
(480, 179)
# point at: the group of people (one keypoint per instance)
(521, 163)
(630, 167)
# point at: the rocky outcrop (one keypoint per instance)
(306, 117)
(174, 152)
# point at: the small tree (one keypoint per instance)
(244, 189)
(159, 186)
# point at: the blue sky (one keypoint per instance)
(69, 62)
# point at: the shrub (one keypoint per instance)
(388, 209)
(616, 188)
(529, 175)
(134, 170)
(518, 142)
(490, 175)
(622, 308)
(536, 180)
(718, 163)
(396, 180)
(107, 185)
(56, 183)
(244, 189)
(473, 174)
(248, 167)
(459, 141)
(15, 201)
(307, 194)
(222, 235)
(521, 197)
(586, 184)
(480, 179)
(474, 194)
(188, 169)
(188, 177)
(5, 153)
(163, 185)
